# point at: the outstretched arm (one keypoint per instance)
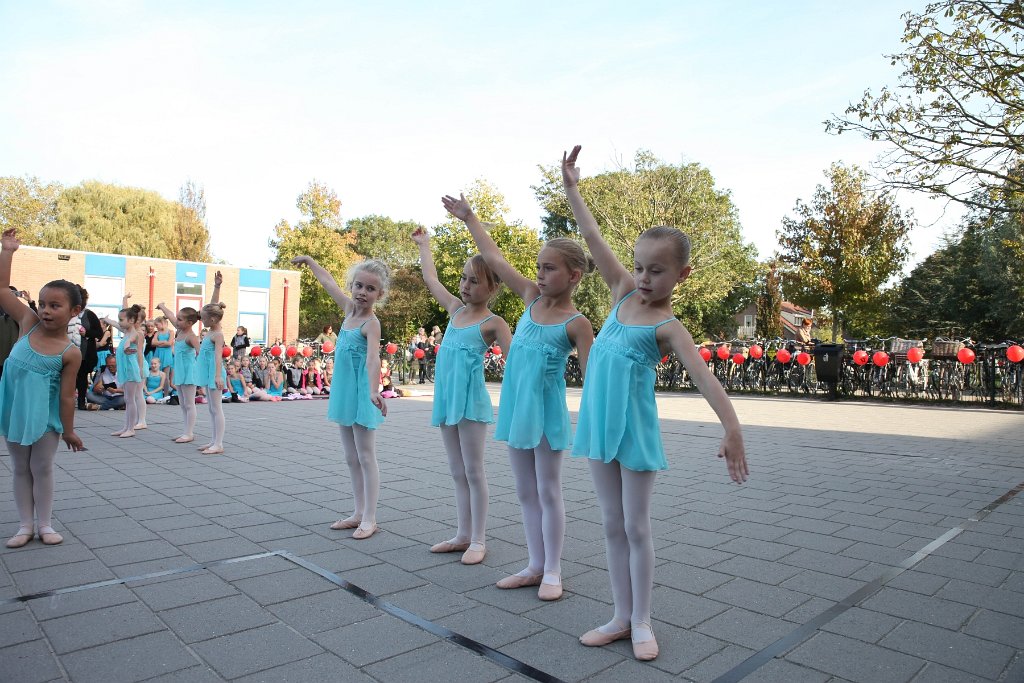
(619, 280)
(524, 287)
(326, 281)
(732, 449)
(116, 323)
(124, 299)
(218, 280)
(11, 304)
(449, 301)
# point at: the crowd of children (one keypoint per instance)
(617, 430)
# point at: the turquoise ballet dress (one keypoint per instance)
(459, 390)
(237, 386)
(532, 404)
(206, 366)
(152, 382)
(352, 406)
(618, 418)
(184, 363)
(127, 363)
(274, 391)
(164, 353)
(30, 393)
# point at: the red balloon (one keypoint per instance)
(255, 351)
(496, 350)
(1015, 353)
(437, 347)
(225, 351)
(915, 354)
(391, 348)
(965, 356)
(756, 351)
(307, 351)
(327, 347)
(803, 358)
(723, 352)
(881, 358)
(705, 353)
(418, 353)
(783, 356)
(291, 351)
(860, 357)
(275, 351)
(738, 358)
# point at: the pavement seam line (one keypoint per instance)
(806, 630)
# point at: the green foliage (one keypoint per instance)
(626, 202)
(954, 121)
(28, 205)
(319, 236)
(769, 303)
(408, 306)
(842, 248)
(384, 238)
(453, 245)
(192, 234)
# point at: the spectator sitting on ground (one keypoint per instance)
(106, 394)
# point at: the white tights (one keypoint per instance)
(361, 456)
(134, 405)
(538, 473)
(216, 419)
(187, 400)
(464, 444)
(625, 498)
(33, 479)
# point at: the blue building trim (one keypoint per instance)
(190, 272)
(109, 266)
(255, 279)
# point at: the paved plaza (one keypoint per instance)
(873, 543)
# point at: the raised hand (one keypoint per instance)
(420, 236)
(459, 208)
(10, 240)
(570, 174)
(127, 295)
(302, 260)
(218, 279)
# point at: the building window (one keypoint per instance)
(252, 312)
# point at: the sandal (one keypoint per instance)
(21, 538)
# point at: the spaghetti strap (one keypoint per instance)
(666, 320)
(571, 318)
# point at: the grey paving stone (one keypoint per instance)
(822, 585)
(957, 650)
(926, 609)
(196, 674)
(214, 618)
(17, 626)
(757, 597)
(855, 660)
(436, 662)
(862, 624)
(247, 652)
(958, 569)
(561, 655)
(31, 557)
(64, 604)
(322, 668)
(690, 579)
(780, 670)
(29, 662)
(186, 590)
(373, 640)
(633, 671)
(1002, 628)
(323, 611)
(936, 673)
(134, 659)
(207, 551)
(745, 628)
(823, 562)
(61, 576)
(493, 627)
(196, 534)
(754, 569)
(132, 553)
(717, 664)
(107, 625)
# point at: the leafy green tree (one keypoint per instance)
(192, 233)
(768, 319)
(628, 201)
(954, 122)
(843, 247)
(386, 239)
(320, 236)
(28, 205)
(408, 306)
(453, 245)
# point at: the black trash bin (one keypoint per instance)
(828, 362)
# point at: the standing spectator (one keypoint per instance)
(327, 335)
(240, 343)
(91, 332)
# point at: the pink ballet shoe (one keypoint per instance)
(598, 638)
(184, 439)
(212, 450)
(472, 556)
(645, 650)
(449, 547)
(20, 539)
(126, 435)
(517, 581)
(50, 537)
(141, 425)
(349, 523)
(550, 592)
(363, 533)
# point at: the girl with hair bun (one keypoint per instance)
(129, 354)
(211, 374)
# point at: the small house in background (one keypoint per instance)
(791, 314)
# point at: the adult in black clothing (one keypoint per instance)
(91, 333)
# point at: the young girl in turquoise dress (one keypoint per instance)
(618, 419)
(210, 373)
(37, 395)
(163, 345)
(532, 415)
(462, 406)
(129, 354)
(275, 381)
(236, 384)
(156, 380)
(356, 403)
(183, 370)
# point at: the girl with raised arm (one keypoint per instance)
(356, 404)
(37, 395)
(129, 354)
(618, 419)
(532, 416)
(462, 406)
(183, 371)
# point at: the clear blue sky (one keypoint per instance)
(394, 104)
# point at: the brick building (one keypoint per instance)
(265, 301)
